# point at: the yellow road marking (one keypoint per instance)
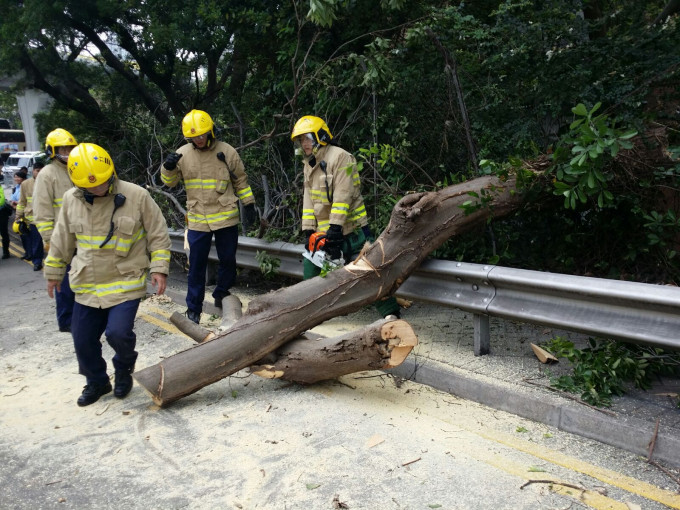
(616, 479)
(163, 325)
(607, 476)
(591, 498)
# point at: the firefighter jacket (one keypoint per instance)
(213, 187)
(25, 204)
(105, 276)
(47, 196)
(332, 192)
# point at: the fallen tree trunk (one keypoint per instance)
(420, 222)
(312, 357)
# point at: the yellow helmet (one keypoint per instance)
(314, 125)
(196, 123)
(58, 138)
(89, 166)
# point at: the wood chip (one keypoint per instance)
(374, 440)
(543, 355)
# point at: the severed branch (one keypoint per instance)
(313, 358)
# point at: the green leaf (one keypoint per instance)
(312, 486)
(521, 429)
(536, 469)
(580, 109)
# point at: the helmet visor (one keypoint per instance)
(303, 141)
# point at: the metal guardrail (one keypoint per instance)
(629, 311)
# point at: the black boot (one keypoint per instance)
(219, 298)
(92, 392)
(122, 384)
(193, 316)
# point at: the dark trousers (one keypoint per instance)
(117, 322)
(65, 299)
(226, 242)
(26, 244)
(5, 213)
(37, 249)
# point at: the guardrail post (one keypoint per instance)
(482, 342)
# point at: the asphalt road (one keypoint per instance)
(367, 441)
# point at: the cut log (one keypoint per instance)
(194, 331)
(232, 310)
(313, 357)
(381, 345)
(420, 223)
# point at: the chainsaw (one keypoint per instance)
(317, 256)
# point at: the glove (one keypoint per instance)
(46, 247)
(250, 216)
(334, 242)
(307, 234)
(171, 160)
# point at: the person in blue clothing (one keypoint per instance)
(19, 178)
(5, 212)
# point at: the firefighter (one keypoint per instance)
(215, 180)
(118, 235)
(47, 200)
(332, 201)
(24, 213)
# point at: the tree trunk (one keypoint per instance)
(312, 357)
(381, 345)
(420, 222)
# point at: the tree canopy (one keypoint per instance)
(424, 93)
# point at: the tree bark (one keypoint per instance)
(420, 222)
(312, 358)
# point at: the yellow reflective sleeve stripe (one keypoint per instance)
(308, 214)
(56, 203)
(43, 226)
(160, 255)
(54, 262)
(212, 218)
(29, 200)
(169, 179)
(323, 225)
(105, 289)
(20, 208)
(340, 208)
(244, 193)
(356, 181)
(360, 212)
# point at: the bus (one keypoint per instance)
(11, 141)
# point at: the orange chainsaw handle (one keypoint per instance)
(316, 241)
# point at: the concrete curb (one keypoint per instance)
(627, 433)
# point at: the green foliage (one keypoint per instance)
(603, 369)
(269, 266)
(593, 142)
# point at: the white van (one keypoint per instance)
(16, 160)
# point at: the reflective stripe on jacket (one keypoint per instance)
(25, 204)
(47, 197)
(212, 191)
(104, 276)
(333, 195)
